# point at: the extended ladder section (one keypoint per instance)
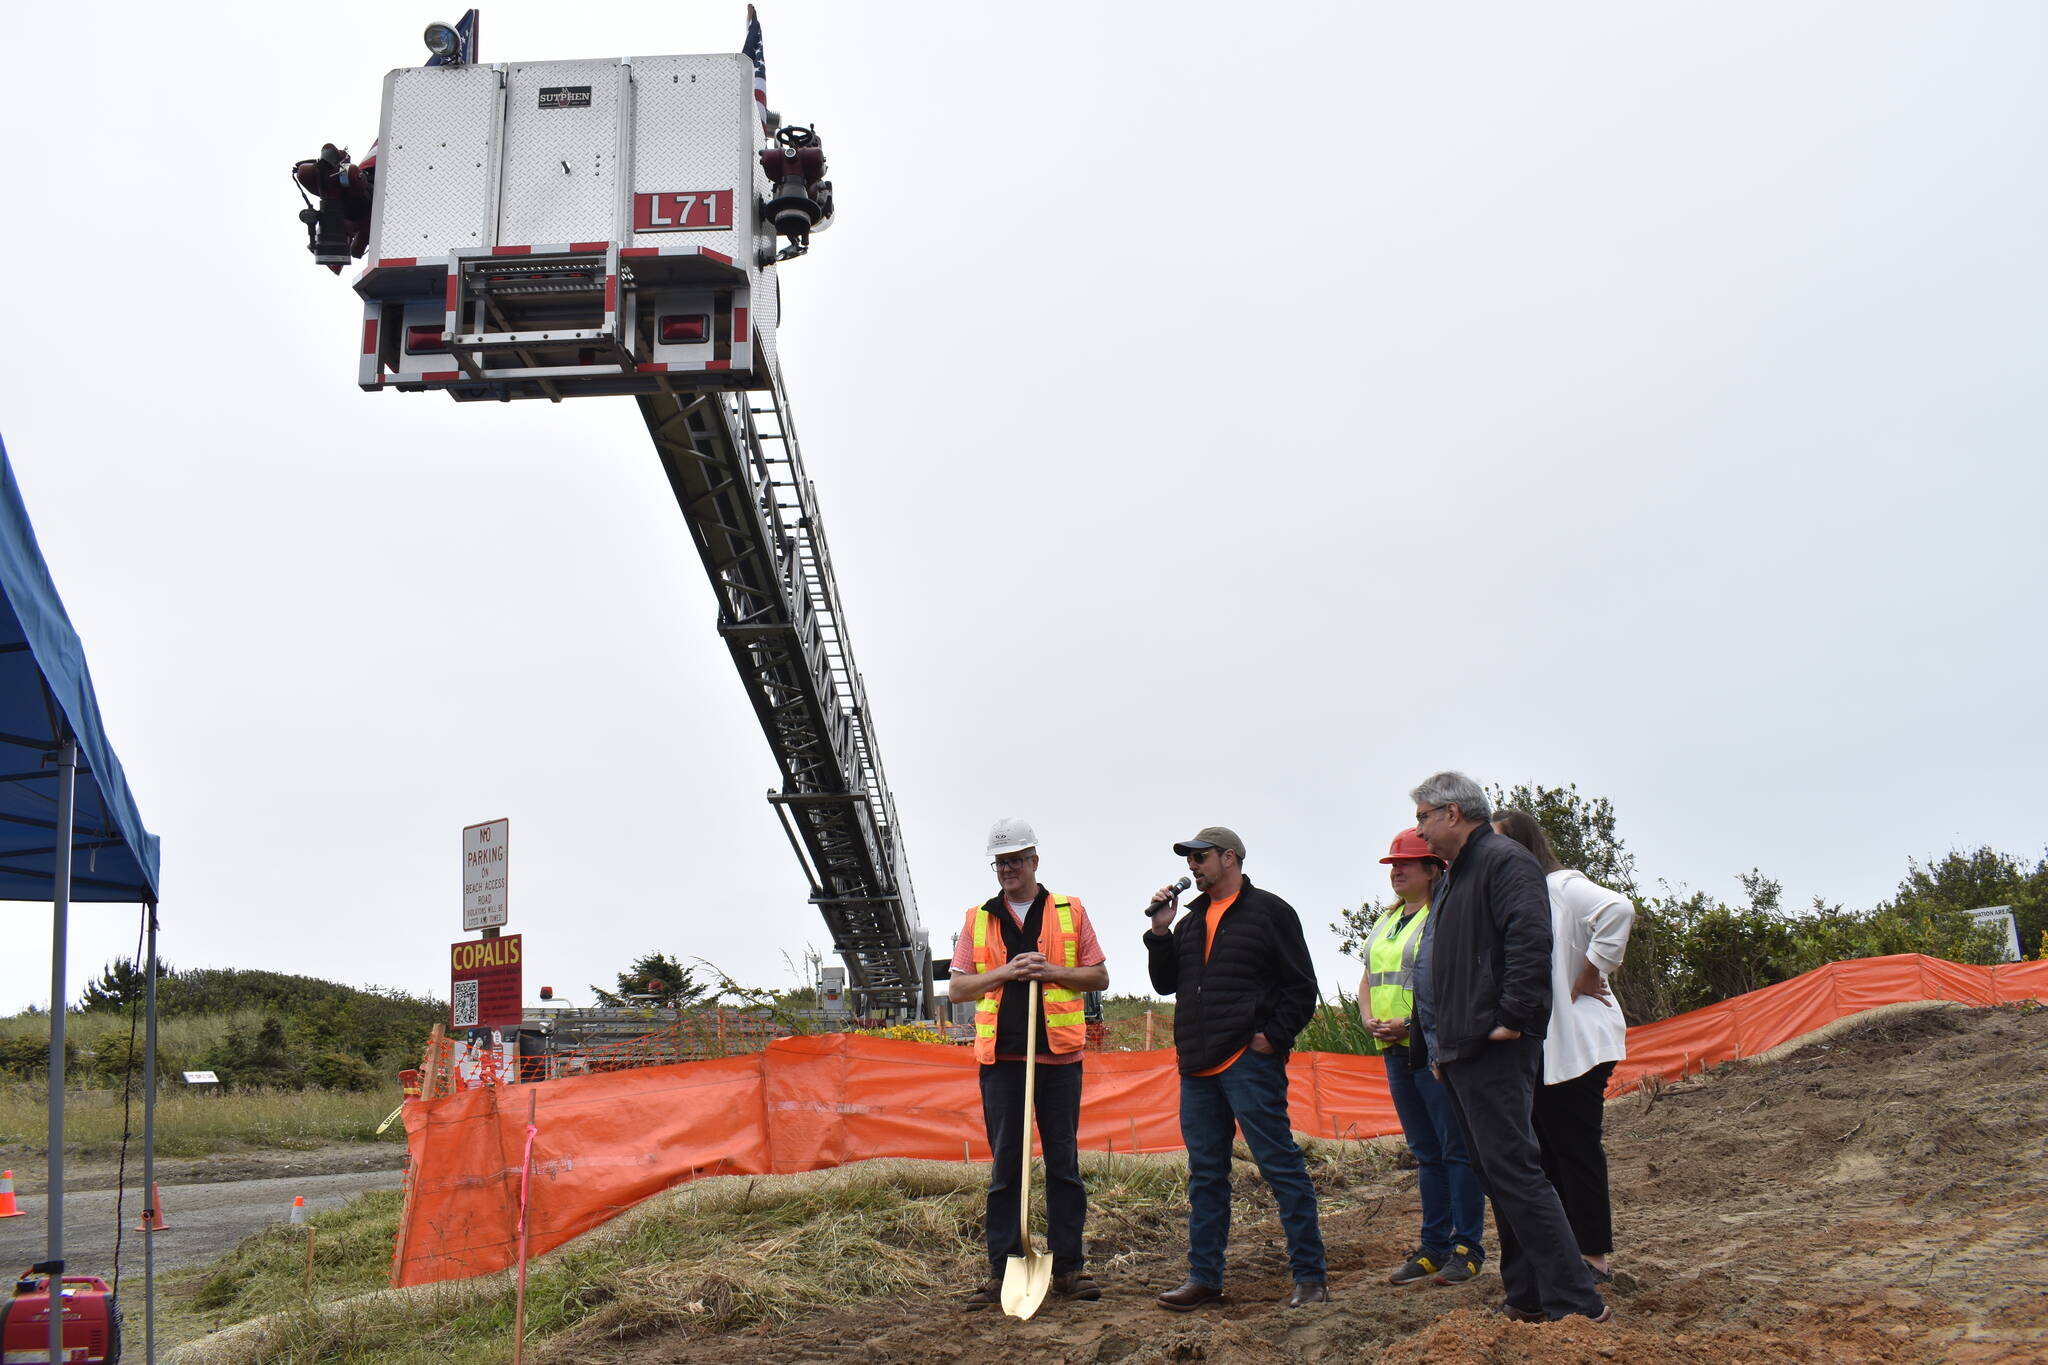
(608, 227)
(732, 459)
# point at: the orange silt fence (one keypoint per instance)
(1745, 1025)
(610, 1140)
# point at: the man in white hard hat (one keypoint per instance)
(1025, 933)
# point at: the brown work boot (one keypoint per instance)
(1514, 1314)
(1307, 1292)
(1076, 1286)
(1189, 1297)
(991, 1292)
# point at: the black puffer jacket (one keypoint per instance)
(1257, 979)
(1489, 957)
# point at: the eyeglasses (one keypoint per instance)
(1200, 855)
(1422, 815)
(1019, 860)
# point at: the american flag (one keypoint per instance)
(760, 60)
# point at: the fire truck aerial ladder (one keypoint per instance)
(613, 228)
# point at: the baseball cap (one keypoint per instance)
(1010, 836)
(1211, 836)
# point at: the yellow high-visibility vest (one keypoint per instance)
(1390, 967)
(1066, 1028)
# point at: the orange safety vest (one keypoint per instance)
(1065, 1027)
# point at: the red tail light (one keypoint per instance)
(425, 338)
(685, 329)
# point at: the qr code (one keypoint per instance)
(465, 1004)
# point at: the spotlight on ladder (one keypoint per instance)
(443, 41)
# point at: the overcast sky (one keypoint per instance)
(1220, 413)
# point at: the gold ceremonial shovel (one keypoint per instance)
(1027, 1277)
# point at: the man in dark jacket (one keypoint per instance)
(1487, 1003)
(1240, 968)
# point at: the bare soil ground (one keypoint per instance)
(1877, 1196)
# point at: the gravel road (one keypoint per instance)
(203, 1220)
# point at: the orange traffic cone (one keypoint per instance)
(153, 1213)
(7, 1209)
(298, 1208)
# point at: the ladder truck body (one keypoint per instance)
(613, 228)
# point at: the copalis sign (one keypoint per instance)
(485, 983)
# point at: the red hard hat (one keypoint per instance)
(1409, 844)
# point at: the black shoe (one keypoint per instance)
(1189, 1297)
(1420, 1266)
(1463, 1265)
(1514, 1314)
(1307, 1292)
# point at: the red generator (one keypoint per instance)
(92, 1331)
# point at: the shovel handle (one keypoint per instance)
(1030, 1119)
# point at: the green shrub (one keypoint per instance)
(341, 1071)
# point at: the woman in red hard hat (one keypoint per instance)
(1396, 951)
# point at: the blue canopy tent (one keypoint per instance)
(69, 829)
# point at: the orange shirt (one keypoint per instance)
(1216, 909)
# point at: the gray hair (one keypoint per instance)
(1454, 789)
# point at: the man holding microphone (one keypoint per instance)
(1240, 969)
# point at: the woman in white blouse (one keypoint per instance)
(1587, 1036)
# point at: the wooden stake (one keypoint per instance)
(525, 1171)
(1148, 1029)
(309, 1260)
(437, 1044)
(1134, 1134)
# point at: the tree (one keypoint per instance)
(122, 984)
(1581, 831)
(658, 975)
(1353, 926)
(1977, 879)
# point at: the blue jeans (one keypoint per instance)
(1453, 1209)
(1250, 1096)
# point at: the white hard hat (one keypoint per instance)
(1010, 836)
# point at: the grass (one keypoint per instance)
(1116, 1008)
(181, 1041)
(190, 1125)
(720, 1255)
(1335, 1028)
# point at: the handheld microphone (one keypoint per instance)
(1172, 895)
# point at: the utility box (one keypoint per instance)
(561, 229)
(832, 991)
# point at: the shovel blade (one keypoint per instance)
(1025, 1282)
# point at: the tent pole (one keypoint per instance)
(60, 914)
(149, 1145)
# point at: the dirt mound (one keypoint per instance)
(1877, 1196)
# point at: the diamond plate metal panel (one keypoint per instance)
(435, 162)
(767, 301)
(561, 173)
(695, 129)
